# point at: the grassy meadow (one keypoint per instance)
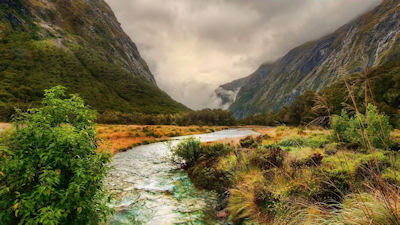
(123, 137)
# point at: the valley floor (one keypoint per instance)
(123, 137)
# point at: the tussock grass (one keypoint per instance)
(317, 181)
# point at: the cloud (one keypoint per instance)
(193, 46)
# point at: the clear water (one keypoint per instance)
(149, 189)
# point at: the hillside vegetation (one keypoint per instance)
(369, 41)
(49, 43)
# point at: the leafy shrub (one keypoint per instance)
(372, 130)
(268, 157)
(188, 150)
(313, 160)
(50, 170)
(250, 142)
(204, 175)
(370, 165)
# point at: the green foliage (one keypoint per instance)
(372, 130)
(216, 117)
(205, 175)
(267, 157)
(297, 141)
(33, 59)
(249, 142)
(371, 165)
(50, 170)
(188, 150)
(313, 160)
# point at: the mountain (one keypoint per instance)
(368, 41)
(78, 44)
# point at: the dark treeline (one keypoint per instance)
(216, 117)
(380, 87)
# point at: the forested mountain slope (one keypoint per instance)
(78, 44)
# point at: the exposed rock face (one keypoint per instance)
(367, 41)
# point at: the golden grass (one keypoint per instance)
(122, 137)
(244, 201)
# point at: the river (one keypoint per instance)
(149, 189)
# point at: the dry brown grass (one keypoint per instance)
(122, 137)
(4, 126)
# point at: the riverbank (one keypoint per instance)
(119, 138)
(150, 189)
(297, 176)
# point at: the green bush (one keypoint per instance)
(297, 141)
(250, 142)
(369, 166)
(312, 160)
(372, 130)
(292, 141)
(268, 157)
(204, 175)
(188, 150)
(50, 170)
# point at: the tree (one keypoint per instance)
(50, 171)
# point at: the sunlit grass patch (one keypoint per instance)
(123, 137)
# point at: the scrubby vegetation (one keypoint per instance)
(303, 175)
(369, 131)
(50, 170)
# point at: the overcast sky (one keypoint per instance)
(193, 46)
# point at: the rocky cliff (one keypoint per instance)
(368, 41)
(78, 44)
